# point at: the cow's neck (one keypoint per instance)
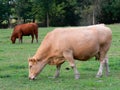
(42, 53)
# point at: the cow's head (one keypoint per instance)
(35, 67)
(13, 39)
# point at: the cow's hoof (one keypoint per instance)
(108, 74)
(53, 77)
(98, 76)
(77, 76)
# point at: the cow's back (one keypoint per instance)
(26, 29)
(83, 42)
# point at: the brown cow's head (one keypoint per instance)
(35, 67)
(13, 39)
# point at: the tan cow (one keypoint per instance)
(70, 44)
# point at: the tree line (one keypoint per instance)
(59, 12)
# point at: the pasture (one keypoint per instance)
(14, 67)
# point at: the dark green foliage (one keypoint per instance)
(60, 12)
(23, 9)
(4, 11)
(110, 11)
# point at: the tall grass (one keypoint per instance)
(14, 67)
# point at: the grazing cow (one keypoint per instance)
(67, 44)
(25, 30)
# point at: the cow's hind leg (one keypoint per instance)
(103, 62)
(36, 36)
(103, 59)
(99, 74)
(32, 38)
(21, 39)
(69, 56)
(107, 66)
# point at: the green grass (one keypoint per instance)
(14, 67)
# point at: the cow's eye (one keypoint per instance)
(30, 66)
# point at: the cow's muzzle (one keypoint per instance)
(31, 78)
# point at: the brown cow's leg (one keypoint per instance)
(20, 37)
(36, 38)
(69, 56)
(32, 38)
(19, 40)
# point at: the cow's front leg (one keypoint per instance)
(69, 56)
(57, 73)
(20, 38)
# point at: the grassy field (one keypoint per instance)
(14, 67)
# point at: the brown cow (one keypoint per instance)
(25, 30)
(67, 44)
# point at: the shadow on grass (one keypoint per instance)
(88, 69)
(5, 76)
(17, 67)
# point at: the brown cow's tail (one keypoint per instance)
(36, 35)
(36, 32)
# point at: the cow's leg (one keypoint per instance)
(36, 35)
(69, 56)
(32, 38)
(20, 39)
(107, 66)
(102, 63)
(58, 66)
(99, 74)
(57, 73)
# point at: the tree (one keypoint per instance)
(42, 9)
(90, 10)
(4, 11)
(23, 9)
(71, 15)
(57, 15)
(57, 12)
(110, 11)
(60, 12)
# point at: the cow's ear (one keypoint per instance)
(32, 60)
(29, 59)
